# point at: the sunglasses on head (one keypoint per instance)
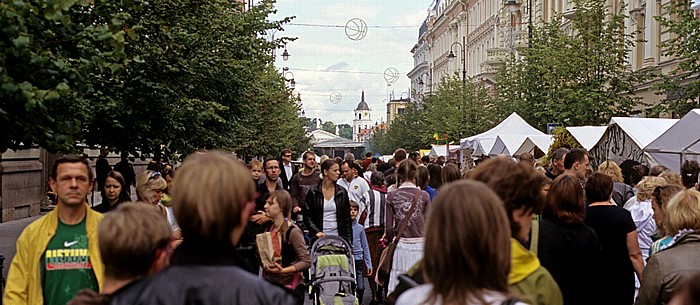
(154, 175)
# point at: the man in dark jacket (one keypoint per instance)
(287, 168)
(214, 192)
(102, 168)
(127, 170)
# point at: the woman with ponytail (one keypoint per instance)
(288, 244)
(398, 204)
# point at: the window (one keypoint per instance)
(360, 116)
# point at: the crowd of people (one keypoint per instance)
(508, 231)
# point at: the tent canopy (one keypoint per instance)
(679, 143)
(643, 130)
(587, 136)
(513, 131)
(624, 139)
(441, 150)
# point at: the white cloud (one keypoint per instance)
(324, 60)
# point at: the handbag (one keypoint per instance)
(387, 257)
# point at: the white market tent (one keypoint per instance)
(441, 150)
(625, 137)
(513, 131)
(679, 143)
(587, 136)
(515, 145)
(535, 142)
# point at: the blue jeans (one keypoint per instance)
(360, 278)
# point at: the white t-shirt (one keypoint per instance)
(419, 294)
(330, 219)
(357, 190)
(171, 217)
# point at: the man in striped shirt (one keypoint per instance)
(375, 203)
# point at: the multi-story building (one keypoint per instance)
(395, 108)
(483, 33)
(421, 80)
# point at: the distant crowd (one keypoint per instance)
(413, 230)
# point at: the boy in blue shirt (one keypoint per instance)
(363, 262)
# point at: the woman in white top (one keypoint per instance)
(327, 207)
(465, 266)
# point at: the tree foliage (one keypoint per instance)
(684, 44)
(345, 131)
(457, 110)
(328, 126)
(573, 75)
(156, 77)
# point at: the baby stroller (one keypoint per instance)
(332, 272)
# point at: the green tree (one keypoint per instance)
(457, 110)
(328, 126)
(573, 76)
(49, 49)
(345, 131)
(683, 44)
(159, 77)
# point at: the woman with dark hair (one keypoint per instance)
(422, 179)
(435, 180)
(519, 186)
(113, 193)
(398, 203)
(450, 172)
(469, 267)
(618, 238)
(567, 247)
(327, 210)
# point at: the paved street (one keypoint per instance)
(9, 232)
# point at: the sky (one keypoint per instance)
(324, 60)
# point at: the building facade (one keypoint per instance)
(395, 108)
(483, 33)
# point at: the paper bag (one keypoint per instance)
(266, 250)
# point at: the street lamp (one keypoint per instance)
(289, 77)
(451, 57)
(420, 80)
(285, 54)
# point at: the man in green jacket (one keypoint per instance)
(58, 254)
(519, 186)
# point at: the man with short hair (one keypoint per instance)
(399, 155)
(134, 242)
(356, 186)
(557, 167)
(287, 169)
(102, 168)
(58, 255)
(127, 170)
(425, 160)
(349, 157)
(213, 192)
(304, 181)
(414, 156)
(367, 161)
(576, 163)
